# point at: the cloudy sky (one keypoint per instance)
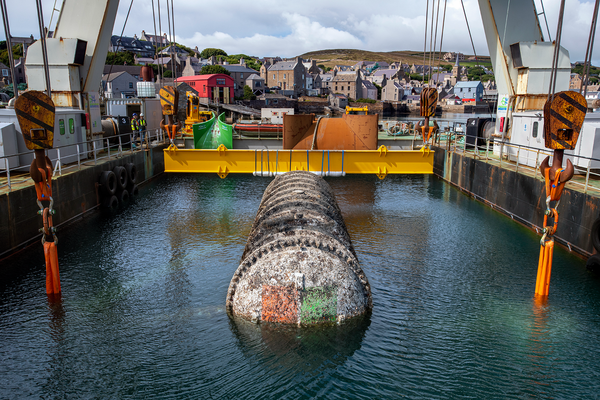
(289, 28)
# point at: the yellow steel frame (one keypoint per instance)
(222, 161)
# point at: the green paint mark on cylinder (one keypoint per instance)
(318, 304)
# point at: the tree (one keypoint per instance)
(446, 67)
(17, 53)
(248, 94)
(378, 90)
(416, 77)
(209, 52)
(8, 89)
(324, 68)
(250, 62)
(120, 58)
(475, 73)
(214, 69)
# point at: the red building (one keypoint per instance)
(213, 87)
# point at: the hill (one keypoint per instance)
(351, 56)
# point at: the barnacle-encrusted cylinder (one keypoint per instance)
(299, 266)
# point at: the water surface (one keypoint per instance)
(142, 311)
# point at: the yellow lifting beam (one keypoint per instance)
(222, 161)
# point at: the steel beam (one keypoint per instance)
(222, 161)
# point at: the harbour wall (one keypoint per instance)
(522, 197)
(74, 195)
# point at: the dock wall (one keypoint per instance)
(521, 197)
(74, 194)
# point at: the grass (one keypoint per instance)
(333, 57)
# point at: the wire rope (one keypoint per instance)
(430, 42)
(553, 73)
(425, 42)
(160, 63)
(432, 55)
(588, 52)
(119, 42)
(469, 29)
(442, 35)
(156, 43)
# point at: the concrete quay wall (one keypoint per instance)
(74, 195)
(522, 197)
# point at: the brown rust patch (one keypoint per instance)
(279, 304)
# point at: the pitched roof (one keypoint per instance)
(254, 77)
(283, 66)
(368, 85)
(467, 84)
(132, 44)
(238, 68)
(134, 70)
(387, 72)
(345, 78)
(111, 77)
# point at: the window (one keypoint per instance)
(284, 77)
(220, 81)
(535, 129)
(257, 84)
(242, 75)
(342, 88)
(336, 87)
(274, 101)
(204, 88)
(130, 85)
(469, 90)
(234, 85)
(273, 76)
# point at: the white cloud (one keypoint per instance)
(281, 27)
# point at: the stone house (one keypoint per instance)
(239, 73)
(369, 91)
(348, 84)
(142, 48)
(393, 91)
(288, 76)
(119, 85)
(5, 73)
(337, 100)
(311, 67)
(256, 83)
(156, 40)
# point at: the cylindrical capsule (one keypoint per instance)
(299, 265)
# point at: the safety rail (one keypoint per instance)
(522, 157)
(98, 149)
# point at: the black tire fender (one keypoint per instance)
(111, 203)
(121, 175)
(108, 181)
(593, 263)
(123, 197)
(131, 172)
(596, 234)
(134, 191)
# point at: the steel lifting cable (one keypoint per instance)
(589, 49)
(469, 29)
(425, 42)
(553, 71)
(171, 45)
(430, 42)
(121, 37)
(442, 34)
(160, 63)
(155, 40)
(432, 55)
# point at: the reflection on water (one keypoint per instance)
(142, 310)
(306, 349)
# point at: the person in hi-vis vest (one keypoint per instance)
(142, 127)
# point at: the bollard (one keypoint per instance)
(299, 266)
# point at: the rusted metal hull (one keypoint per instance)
(299, 266)
(351, 132)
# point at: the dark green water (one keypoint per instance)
(142, 311)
